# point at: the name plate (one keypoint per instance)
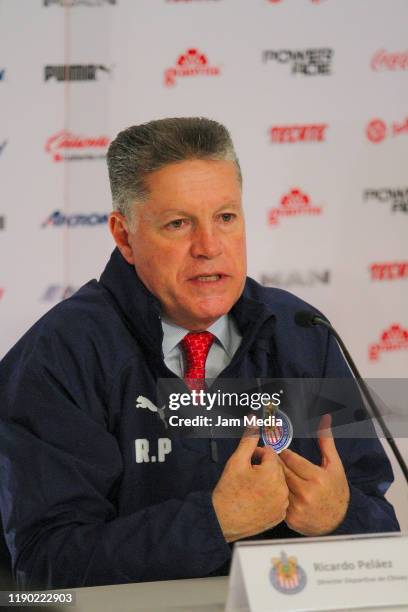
(328, 573)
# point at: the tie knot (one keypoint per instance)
(196, 347)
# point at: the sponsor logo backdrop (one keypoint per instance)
(314, 94)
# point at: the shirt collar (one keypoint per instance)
(173, 334)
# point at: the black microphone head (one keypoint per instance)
(305, 318)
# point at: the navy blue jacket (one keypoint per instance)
(77, 508)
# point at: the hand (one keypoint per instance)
(318, 495)
(249, 499)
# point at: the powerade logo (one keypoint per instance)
(2, 74)
(397, 198)
(59, 219)
(307, 62)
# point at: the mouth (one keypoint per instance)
(208, 278)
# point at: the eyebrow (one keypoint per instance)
(180, 211)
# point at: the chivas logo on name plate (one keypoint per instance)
(286, 575)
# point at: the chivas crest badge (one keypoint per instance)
(287, 576)
(277, 436)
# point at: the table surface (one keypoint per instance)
(198, 595)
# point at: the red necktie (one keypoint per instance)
(196, 346)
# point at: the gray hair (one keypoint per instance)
(142, 149)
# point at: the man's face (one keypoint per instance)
(188, 247)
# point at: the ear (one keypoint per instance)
(119, 228)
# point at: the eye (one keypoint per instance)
(227, 217)
(176, 224)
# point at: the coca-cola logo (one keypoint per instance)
(377, 130)
(65, 146)
(310, 132)
(2, 290)
(192, 63)
(395, 338)
(389, 270)
(385, 60)
(291, 204)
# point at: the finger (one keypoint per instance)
(247, 444)
(296, 485)
(292, 500)
(326, 441)
(265, 454)
(299, 465)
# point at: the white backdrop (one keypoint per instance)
(315, 95)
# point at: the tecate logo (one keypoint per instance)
(377, 130)
(192, 63)
(397, 198)
(296, 278)
(60, 219)
(389, 270)
(384, 60)
(294, 203)
(311, 132)
(74, 72)
(395, 338)
(306, 62)
(62, 145)
(73, 3)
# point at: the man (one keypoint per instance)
(92, 488)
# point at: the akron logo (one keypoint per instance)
(286, 575)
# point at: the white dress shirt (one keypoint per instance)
(227, 340)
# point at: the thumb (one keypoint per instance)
(326, 441)
(247, 444)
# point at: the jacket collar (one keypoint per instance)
(141, 309)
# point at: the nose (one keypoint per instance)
(206, 243)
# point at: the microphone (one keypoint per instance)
(306, 318)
